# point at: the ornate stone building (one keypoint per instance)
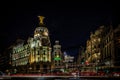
(34, 55)
(102, 49)
(93, 50)
(19, 56)
(110, 48)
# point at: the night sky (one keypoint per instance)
(69, 22)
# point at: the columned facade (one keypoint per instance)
(93, 50)
(34, 56)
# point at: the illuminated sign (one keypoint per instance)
(57, 58)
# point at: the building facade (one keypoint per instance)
(57, 58)
(34, 55)
(110, 49)
(93, 50)
(117, 46)
(69, 63)
(81, 59)
(102, 50)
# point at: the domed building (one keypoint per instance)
(35, 55)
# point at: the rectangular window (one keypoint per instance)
(44, 52)
(38, 58)
(43, 58)
(38, 52)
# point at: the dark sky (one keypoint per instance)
(69, 22)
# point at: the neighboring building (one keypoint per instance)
(4, 62)
(57, 56)
(107, 47)
(110, 48)
(93, 50)
(35, 54)
(69, 62)
(80, 55)
(117, 46)
(81, 59)
(102, 50)
(20, 56)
